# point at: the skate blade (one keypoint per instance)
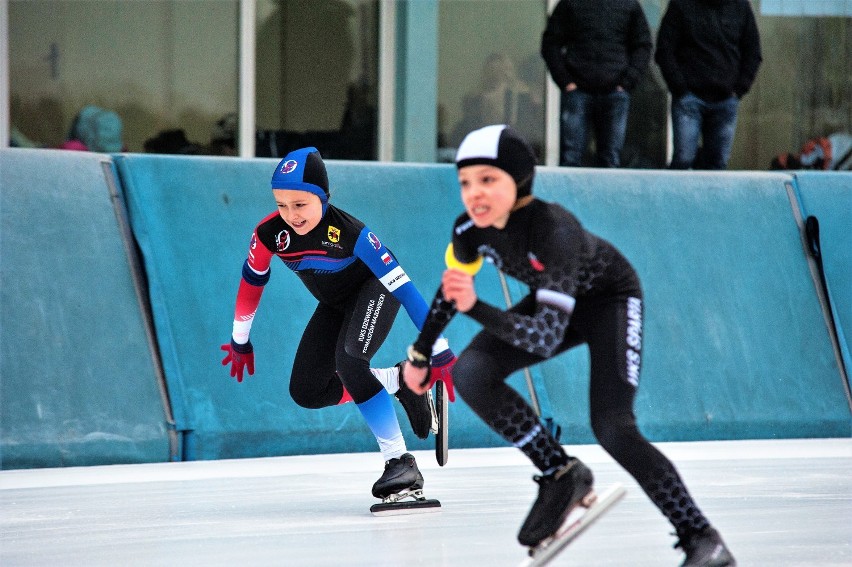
(433, 427)
(442, 444)
(399, 508)
(590, 509)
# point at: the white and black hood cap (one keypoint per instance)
(503, 147)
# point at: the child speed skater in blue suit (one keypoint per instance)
(359, 286)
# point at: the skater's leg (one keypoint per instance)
(420, 408)
(479, 377)
(314, 382)
(614, 335)
(375, 308)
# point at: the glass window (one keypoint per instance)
(803, 89)
(317, 77)
(162, 75)
(490, 70)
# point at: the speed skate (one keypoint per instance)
(405, 502)
(577, 522)
(411, 500)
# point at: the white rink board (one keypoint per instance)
(780, 503)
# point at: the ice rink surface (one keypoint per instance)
(778, 503)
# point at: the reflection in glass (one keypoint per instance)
(316, 77)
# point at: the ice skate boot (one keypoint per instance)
(420, 409)
(401, 489)
(558, 493)
(705, 549)
(400, 474)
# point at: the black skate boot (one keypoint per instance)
(705, 549)
(420, 409)
(558, 494)
(400, 475)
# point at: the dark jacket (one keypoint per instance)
(597, 44)
(710, 48)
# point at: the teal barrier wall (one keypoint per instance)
(78, 385)
(193, 218)
(736, 342)
(736, 345)
(828, 197)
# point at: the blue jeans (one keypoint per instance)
(714, 122)
(605, 113)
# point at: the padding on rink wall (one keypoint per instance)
(737, 343)
(194, 218)
(77, 378)
(828, 198)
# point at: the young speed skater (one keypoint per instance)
(356, 280)
(582, 290)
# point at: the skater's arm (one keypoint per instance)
(387, 269)
(255, 275)
(442, 309)
(542, 331)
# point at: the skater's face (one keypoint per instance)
(488, 194)
(301, 210)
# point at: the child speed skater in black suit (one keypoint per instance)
(582, 290)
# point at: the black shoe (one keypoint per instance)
(400, 474)
(420, 409)
(705, 549)
(558, 494)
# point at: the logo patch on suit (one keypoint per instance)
(535, 262)
(333, 233)
(374, 240)
(282, 241)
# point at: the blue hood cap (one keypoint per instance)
(303, 170)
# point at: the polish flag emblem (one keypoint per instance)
(386, 258)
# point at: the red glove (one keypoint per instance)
(239, 356)
(441, 367)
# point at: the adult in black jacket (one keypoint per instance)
(709, 54)
(596, 51)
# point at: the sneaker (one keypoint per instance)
(419, 408)
(705, 549)
(400, 474)
(558, 494)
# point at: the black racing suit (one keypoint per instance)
(359, 285)
(582, 290)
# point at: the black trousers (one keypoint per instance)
(337, 345)
(612, 329)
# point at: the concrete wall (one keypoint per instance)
(738, 344)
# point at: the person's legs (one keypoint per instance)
(686, 130)
(314, 382)
(574, 117)
(610, 119)
(373, 311)
(720, 123)
(613, 331)
(479, 376)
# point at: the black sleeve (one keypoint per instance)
(439, 316)
(750, 54)
(561, 244)
(668, 39)
(553, 40)
(639, 47)
(540, 333)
